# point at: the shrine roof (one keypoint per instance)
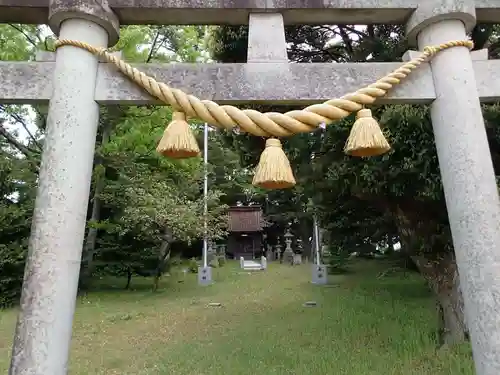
(246, 219)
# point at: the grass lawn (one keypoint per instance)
(361, 326)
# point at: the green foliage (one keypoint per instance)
(144, 204)
(148, 203)
(214, 263)
(228, 44)
(175, 261)
(17, 183)
(338, 260)
(162, 43)
(360, 202)
(193, 265)
(151, 203)
(14, 231)
(19, 42)
(364, 203)
(12, 257)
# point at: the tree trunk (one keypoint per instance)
(428, 243)
(129, 278)
(163, 258)
(439, 269)
(156, 282)
(442, 277)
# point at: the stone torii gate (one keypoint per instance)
(454, 82)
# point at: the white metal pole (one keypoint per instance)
(316, 240)
(205, 196)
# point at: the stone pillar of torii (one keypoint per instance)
(452, 82)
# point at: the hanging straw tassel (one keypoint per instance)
(274, 170)
(178, 140)
(366, 137)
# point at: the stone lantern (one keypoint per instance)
(278, 250)
(288, 253)
(267, 249)
(222, 251)
(297, 256)
(210, 250)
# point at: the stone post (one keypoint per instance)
(269, 253)
(297, 256)
(211, 253)
(266, 38)
(43, 331)
(278, 251)
(319, 274)
(204, 276)
(263, 262)
(222, 251)
(467, 172)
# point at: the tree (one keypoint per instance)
(150, 201)
(20, 150)
(139, 203)
(368, 201)
(16, 205)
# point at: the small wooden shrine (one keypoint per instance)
(246, 224)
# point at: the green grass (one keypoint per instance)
(361, 326)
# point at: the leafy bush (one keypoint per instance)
(338, 261)
(193, 265)
(176, 261)
(15, 223)
(12, 258)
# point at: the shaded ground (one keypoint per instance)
(361, 326)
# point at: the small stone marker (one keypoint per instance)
(184, 273)
(204, 276)
(319, 274)
(263, 262)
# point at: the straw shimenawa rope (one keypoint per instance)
(270, 124)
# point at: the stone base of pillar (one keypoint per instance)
(205, 276)
(319, 274)
(287, 257)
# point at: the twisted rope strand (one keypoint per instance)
(270, 124)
